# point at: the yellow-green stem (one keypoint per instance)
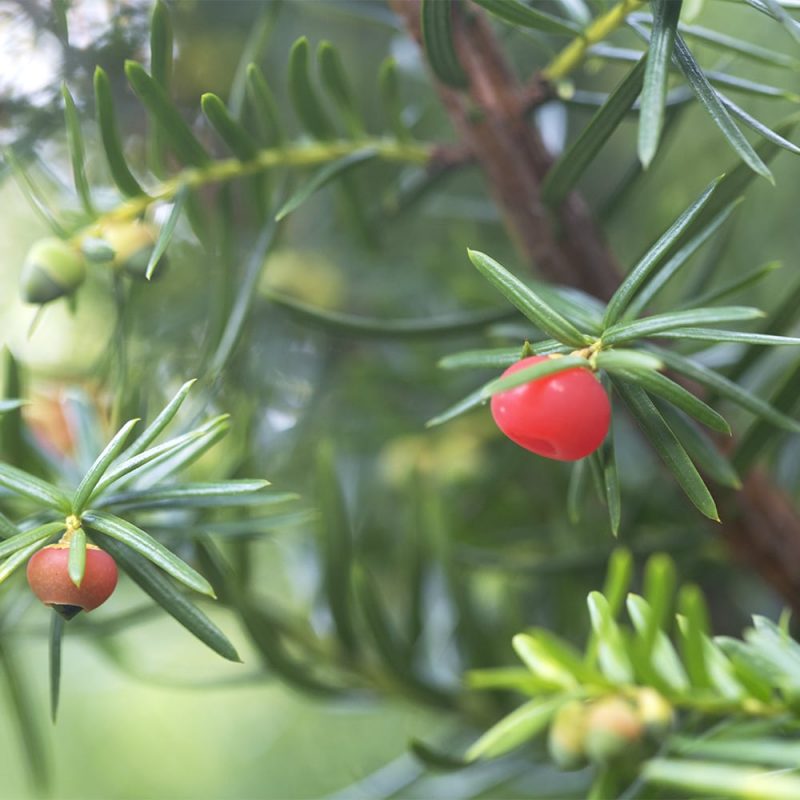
(292, 155)
(574, 53)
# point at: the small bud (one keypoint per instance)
(614, 730)
(133, 244)
(655, 712)
(53, 268)
(565, 740)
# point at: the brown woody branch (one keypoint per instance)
(760, 524)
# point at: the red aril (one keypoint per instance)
(564, 416)
(48, 577)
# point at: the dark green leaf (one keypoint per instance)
(759, 127)
(661, 385)
(526, 16)
(77, 556)
(737, 285)
(199, 495)
(323, 176)
(668, 447)
(527, 301)
(167, 229)
(436, 17)
(702, 450)
(161, 44)
(716, 109)
(161, 589)
(654, 91)
(390, 96)
(576, 490)
(676, 262)
(20, 557)
(564, 174)
(378, 327)
(304, 96)
(716, 335)
(334, 79)
(653, 258)
(17, 541)
(175, 131)
(98, 469)
(23, 712)
(658, 323)
(25, 485)
(608, 458)
(498, 358)
(144, 544)
(337, 548)
(56, 635)
(708, 377)
(76, 150)
(731, 44)
(262, 103)
(230, 130)
(109, 134)
(435, 759)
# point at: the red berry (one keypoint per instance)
(564, 416)
(48, 577)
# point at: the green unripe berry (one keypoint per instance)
(53, 268)
(133, 244)
(567, 734)
(614, 731)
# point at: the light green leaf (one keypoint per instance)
(98, 469)
(656, 78)
(20, 557)
(199, 495)
(550, 367)
(731, 44)
(330, 172)
(527, 301)
(615, 360)
(76, 150)
(515, 729)
(472, 400)
(652, 259)
(742, 337)
(498, 357)
(564, 174)
(161, 589)
(694, 627)
(612, 655)
(436, 19)
(759, 127)
(76, 565)
(174, 129)
(33, 488)
(668, 447)
(545, 665)
(737, 285)
(109, 134)
(144, 544)
(526, 16)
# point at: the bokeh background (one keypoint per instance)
(149, 713)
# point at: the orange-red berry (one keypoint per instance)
(48, 577)
(565, 416)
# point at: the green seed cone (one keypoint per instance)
(614, 731)
(53, 269)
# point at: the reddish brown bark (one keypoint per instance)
(760, 524)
